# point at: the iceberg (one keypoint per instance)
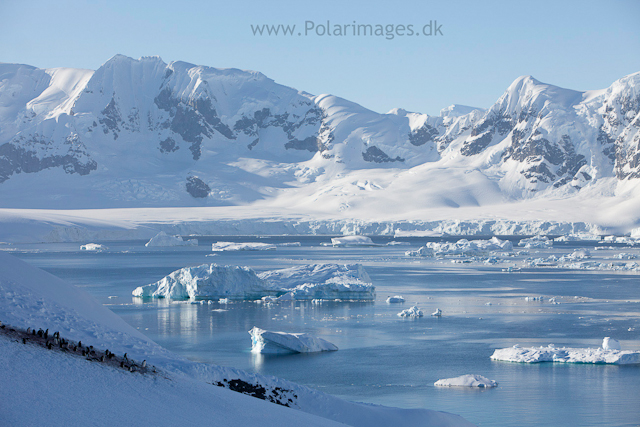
(395, 299)
(467, 381)
(331, 290)
(164, 239)
(411, 312)
(462, 247)
(207, 281)
(316, 273)
(283, 342)
(232, 246)
(437, 313)
(304, 282)
(93, 247)
(609, 343)
(536, 242)
(607, 354)
(352, 241)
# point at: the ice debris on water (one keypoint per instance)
(411, 312)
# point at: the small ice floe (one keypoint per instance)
(93, 247)
(224, 301)
(233, 247)
(467, 381)
(352, 241)
(395, 299)
(289, 244)
(283, 342)
(163, 239)
(411, 312)
(396, 243)
(511, 269)
(437, 313)
(112, 296)
(540, 298)
(607, 354)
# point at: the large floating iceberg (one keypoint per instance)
(283, 342)
(164, 239)
(232, 247)
(610, 353)
(461, 247)
(316, 273)
(208, 281)
(304, 282)
(466, 381)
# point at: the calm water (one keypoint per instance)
(386, 359)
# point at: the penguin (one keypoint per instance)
(40, 333)
(80, 344)
(125, 357)
(122, 364)
(144, 363)
(46, 334)
(24, 340)
(28, 330)
(102, 358)
(33, 332)
(49, 345)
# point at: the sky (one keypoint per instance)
(478, 50)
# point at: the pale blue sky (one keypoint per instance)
(484, 47)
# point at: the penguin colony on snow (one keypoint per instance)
(54, 342)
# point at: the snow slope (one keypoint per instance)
(45, 388)
(144, 133)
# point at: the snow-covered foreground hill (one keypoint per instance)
(143, 133)
(49, 387)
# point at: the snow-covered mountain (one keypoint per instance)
(140, 133)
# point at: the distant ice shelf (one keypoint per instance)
(263, 341)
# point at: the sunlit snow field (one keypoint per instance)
(386, 359)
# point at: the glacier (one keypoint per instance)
(283, 342)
